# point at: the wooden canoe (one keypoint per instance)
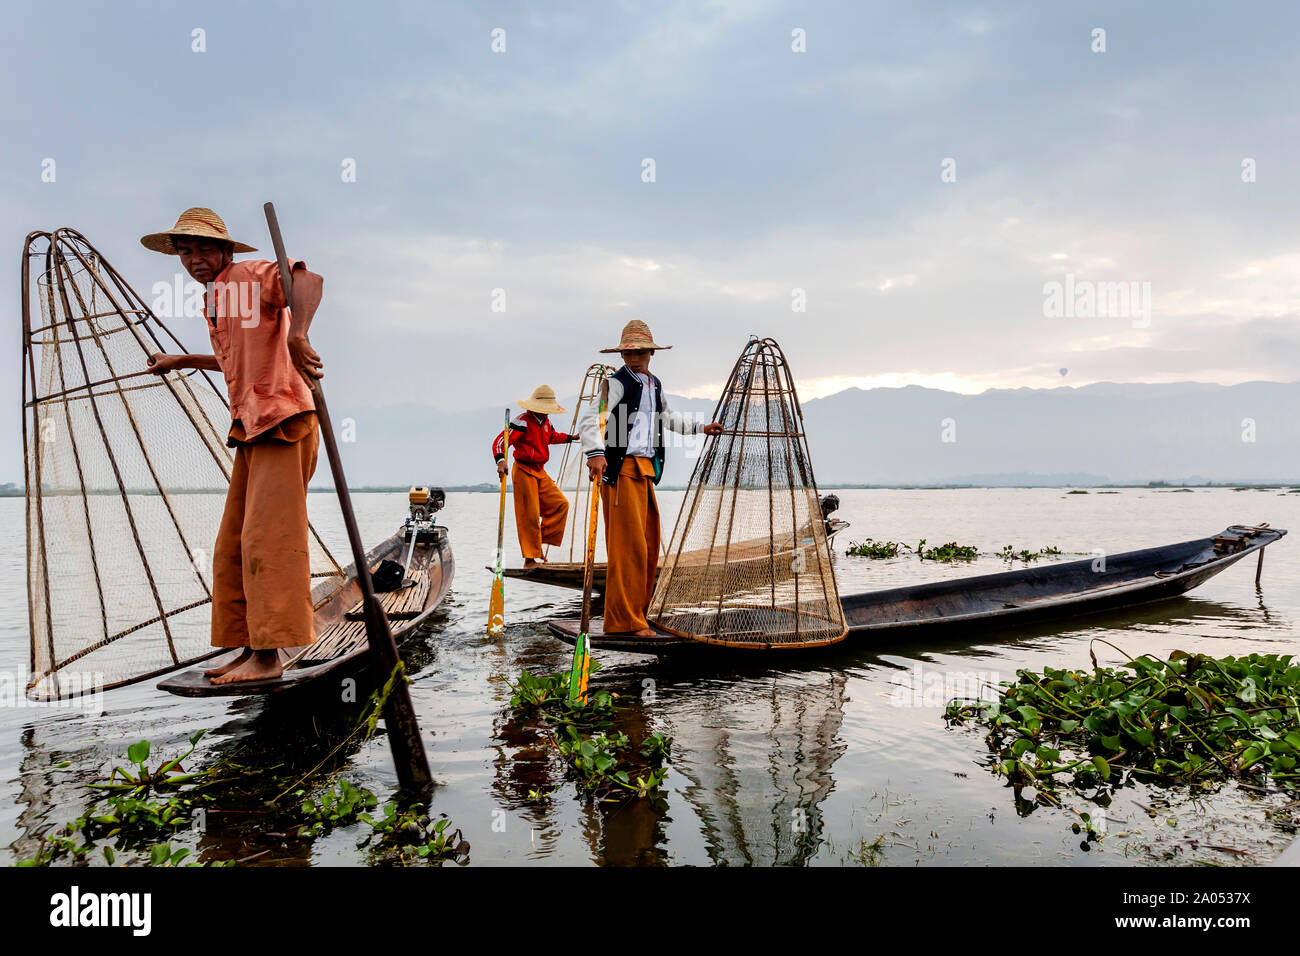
(1059, 590)
(568, 574)
(341, 648)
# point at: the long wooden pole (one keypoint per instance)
(581, 669)
(399, 715)
(497, 600)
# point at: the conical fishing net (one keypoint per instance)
(749, 564)
(126, 479)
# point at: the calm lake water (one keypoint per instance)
(825, 761)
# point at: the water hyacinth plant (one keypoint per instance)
(1191, 719)
(952, 551)
(603, 761)
(948, 553)
(871, 548)
(1009, 553)
(135, 806)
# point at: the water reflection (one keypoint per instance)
(760, 764)
(626, 832)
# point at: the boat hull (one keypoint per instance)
(1063, 589)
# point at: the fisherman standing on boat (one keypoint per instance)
(540, 507)
(261, 570)
(628, 462)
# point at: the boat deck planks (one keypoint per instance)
(337, 640)
(399, 604)
(342, 646)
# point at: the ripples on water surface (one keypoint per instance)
(796, 761)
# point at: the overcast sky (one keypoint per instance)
(774, 170)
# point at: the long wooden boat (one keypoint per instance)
(341, 648)
(1059, 590)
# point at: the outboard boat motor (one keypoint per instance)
(425, 501)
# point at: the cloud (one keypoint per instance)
(776, 171)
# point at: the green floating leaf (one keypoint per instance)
(1143, 737)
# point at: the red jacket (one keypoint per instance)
(531, 436)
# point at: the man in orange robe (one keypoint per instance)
(261, 569)
(628, 462)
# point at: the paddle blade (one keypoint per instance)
(497, 607)
(580, 671)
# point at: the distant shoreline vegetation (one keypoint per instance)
(842, 486)
(11, 490)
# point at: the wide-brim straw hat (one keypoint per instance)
(198, 222)
(636, 335)
(542, 401)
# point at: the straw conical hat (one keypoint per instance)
(198, 222)
(636, 335)
(542, 401)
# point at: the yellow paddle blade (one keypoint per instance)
(497, 607)
(586, 673)
(580, 670)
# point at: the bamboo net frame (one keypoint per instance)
(571, 475)
(126, 474)
(749, 564)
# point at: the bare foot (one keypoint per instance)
(532, 562)
(230, 665)
(261, 665)
(646, 632)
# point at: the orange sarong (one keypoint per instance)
(632, 544)
(261, 569)
(540, 508)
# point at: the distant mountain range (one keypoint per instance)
(1095, 434)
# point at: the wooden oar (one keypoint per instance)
(581, 669)
(497, 602)
(399, 715)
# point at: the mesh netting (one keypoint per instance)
(126, 480)
(571, 476)
(749, 564)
